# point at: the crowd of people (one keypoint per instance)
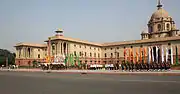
(133, 66)
(145, 66)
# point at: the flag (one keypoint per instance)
(132, 56)
(171, 55)
(177, 59)
(149, 55)
(162, 54)
(129, 54)
(153, 54)
(144, 55)
(157, 54)
(140, 54)
(167, 54)
(137, 57)
(125, 55)
(71, 59)
(77, 59)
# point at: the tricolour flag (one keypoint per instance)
(144, 51)
(137, 57)
(140, 55)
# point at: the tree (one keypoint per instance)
(7, 54)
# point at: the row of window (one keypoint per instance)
(111, 48)
(85, 47)
(160, 27)
(111, 55)
(85, 54)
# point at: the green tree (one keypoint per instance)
(7, 54)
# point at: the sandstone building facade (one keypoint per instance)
(161, 33)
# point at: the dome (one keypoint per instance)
(145, 31)
(160, 13)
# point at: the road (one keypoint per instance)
(64, 83)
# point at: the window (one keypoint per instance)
(98, 49)
(53, 47)
(85, 54)
(74, 45)
(111, 48)
(117, 47)
(118, 55)
(111, 54)
(94, 48)
(168, 27)
(90, 47)
(131, 46)
(75, 53)
(98, 55)
(159, 27)
(39, 56)
(80, 54)
(38, 49)
(104, 48)
(94, 54)
(105, 55)
(84, 46)
(79, 46)
(90, 55)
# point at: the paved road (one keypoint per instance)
(61, 83)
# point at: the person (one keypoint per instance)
(122, 66)
(136, 66)
(165, 68)
(147, 66)
(132, 66)
(129, 66)
(126, 67)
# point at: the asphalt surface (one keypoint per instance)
(64, 83)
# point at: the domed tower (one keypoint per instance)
(145, 34)
(161, 24)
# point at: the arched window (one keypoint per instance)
(80, 54)
(90, 55)
(159, 27)
(105, 55)
(94, 54)
(111, 54)
(168, 26)
(74, 53)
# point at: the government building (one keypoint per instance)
(161, 39)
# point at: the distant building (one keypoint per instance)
(161, 33)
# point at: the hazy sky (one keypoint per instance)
(94, 20)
